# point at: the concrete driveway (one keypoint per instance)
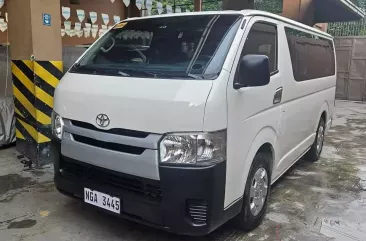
(325, 200)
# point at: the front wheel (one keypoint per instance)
(316, 149)
(256, 194)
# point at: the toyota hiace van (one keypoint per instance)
(183, 121)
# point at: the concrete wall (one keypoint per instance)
(6, 89)
(290, 10)
(299, 10)
(70, 54)
(321, 26)
(4, 35)
(45, 40)
(99, 6)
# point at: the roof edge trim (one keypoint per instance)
(353, 7)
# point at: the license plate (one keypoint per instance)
(102, 200)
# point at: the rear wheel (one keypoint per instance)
(316, 149)
(256, 194)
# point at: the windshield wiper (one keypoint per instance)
(138, 71)
(76, 65)
(90, 69)
(172, 75)
(85, 68)
(179, 76)
(123, 74)
(130, 72)
(194, 76)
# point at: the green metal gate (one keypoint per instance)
(357, 28)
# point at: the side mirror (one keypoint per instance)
(253, 71)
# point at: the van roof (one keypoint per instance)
(246, 12)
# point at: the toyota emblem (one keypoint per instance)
(103, 120)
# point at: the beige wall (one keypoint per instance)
(46, 39)
(291, 9)
(299, 10)
(28, 35)
(19, 17)
(321, 26)
(4, 35)
(99, 6)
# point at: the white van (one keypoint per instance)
(184, 121)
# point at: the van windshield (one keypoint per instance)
(186, 47)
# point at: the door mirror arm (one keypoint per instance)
(238, 86)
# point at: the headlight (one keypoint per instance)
(193, 148)
(57, 125)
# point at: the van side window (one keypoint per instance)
(262, 40)
(312, 56)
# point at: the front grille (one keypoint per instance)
(116, 131)
(109, 145)
(76, 170)
(197, 211)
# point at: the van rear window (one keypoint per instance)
(189, 47)
(312, 56)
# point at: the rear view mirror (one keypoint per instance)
(253, 71)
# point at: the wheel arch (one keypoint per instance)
(263, 142)
(268, 149)
(324, 112)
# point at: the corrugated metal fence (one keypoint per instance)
(350, 45)
(351, 63)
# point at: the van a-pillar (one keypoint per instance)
(36, 54)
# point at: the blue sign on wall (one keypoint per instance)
(46, 19)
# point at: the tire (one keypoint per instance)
(246, 219)
(314, 153)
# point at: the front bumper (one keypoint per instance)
(186, 200)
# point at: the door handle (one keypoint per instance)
(277, 96)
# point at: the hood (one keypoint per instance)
(142, 104)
